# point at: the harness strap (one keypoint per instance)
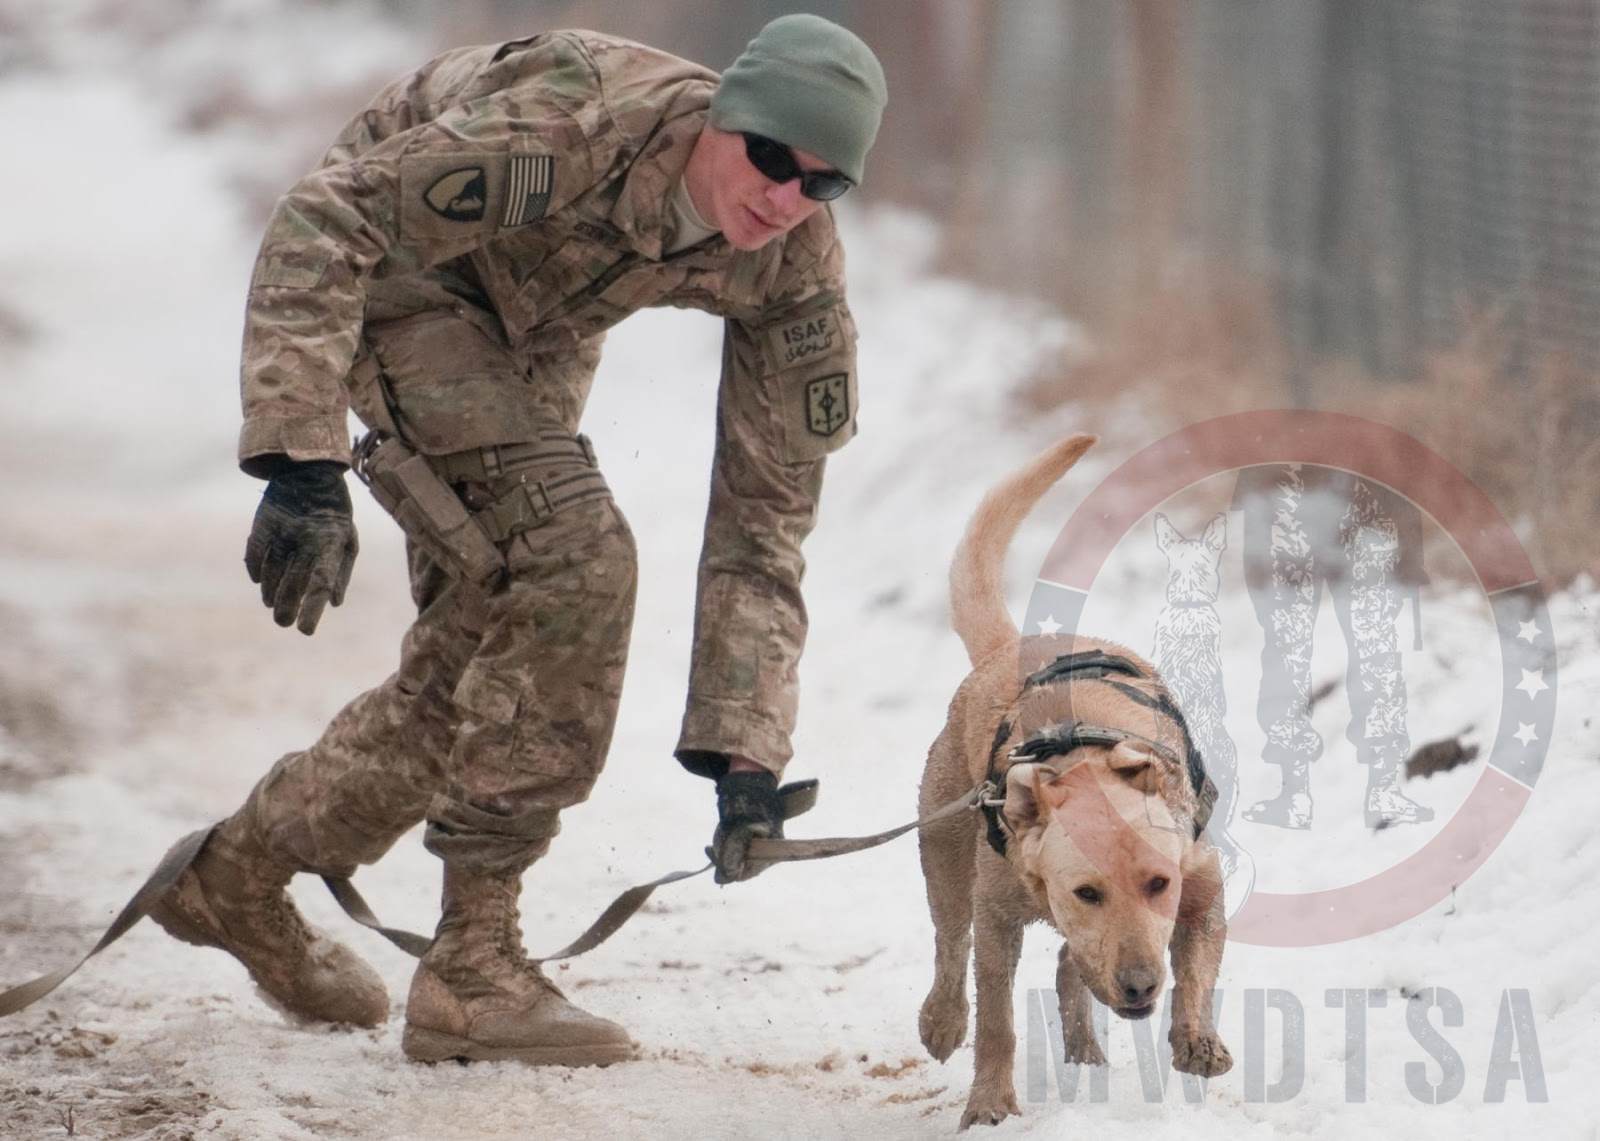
(1097, 665)
(1086, 664)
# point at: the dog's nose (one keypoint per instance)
(1138, 985)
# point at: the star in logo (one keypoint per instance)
(1525, 733)
(1528, 632)
(1532, 683)
(1048, 626)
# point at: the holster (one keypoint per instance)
(427, 509)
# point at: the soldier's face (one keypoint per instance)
(747, 206)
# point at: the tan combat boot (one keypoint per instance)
(234, 897)
(476, 996)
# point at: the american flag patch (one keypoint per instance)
(528, 188)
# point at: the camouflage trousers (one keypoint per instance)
(499, 716)
(1295, 541)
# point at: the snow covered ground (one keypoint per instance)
(143, 690)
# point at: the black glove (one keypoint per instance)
(302, 545)
(750, 804)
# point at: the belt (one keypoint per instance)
(484, 465)
(506, 511)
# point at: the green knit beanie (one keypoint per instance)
(808, 83)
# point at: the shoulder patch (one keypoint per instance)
(528, 184)
(459, 195)
(455, 195)
(797, 342)
(818, 413)
(828, 403)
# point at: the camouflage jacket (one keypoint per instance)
(476, 230)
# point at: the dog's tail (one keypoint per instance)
(977, 600)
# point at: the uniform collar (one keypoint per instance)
(641, 210)
(641, 216)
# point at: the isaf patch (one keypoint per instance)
(800, 341)
(459, 195)
(828, 404)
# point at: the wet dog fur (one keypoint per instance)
(1101, 841)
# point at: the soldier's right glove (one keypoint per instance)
(302, 544)
(751, 805)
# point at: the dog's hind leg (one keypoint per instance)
(947, 850)
(1077, 1013)
(1196, 955)
(998, 931)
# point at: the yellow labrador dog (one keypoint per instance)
(1094, 826)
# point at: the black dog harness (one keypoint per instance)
(1091, 665)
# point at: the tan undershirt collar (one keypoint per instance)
(684, 222)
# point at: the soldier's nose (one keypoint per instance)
(786, 197)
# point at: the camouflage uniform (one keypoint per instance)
(449, 272)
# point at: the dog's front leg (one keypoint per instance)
(998, 947)
(1077, 1013)
(949, 869)
(1197, 941)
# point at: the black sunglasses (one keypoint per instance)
(777, 162)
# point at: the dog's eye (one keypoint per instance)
(1088, 894)
(1157, 885)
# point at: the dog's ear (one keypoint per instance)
(1031, 791)
(1138, 765)
(1216, 536)
(1166, 533)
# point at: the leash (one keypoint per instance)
(172, 865)
(762, 852)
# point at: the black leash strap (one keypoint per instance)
(172, 866)
(763, 853)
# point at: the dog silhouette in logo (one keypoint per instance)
(1188, 652)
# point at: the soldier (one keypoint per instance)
(449, 272)
(1304, 526)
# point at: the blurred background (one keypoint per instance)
(1389, 209)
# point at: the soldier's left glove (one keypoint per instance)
(302, 544)
(751, 805)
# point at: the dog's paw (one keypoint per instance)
(943, 1024)
(1082, 1049)
(986, 1106)
(1200, 1052)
